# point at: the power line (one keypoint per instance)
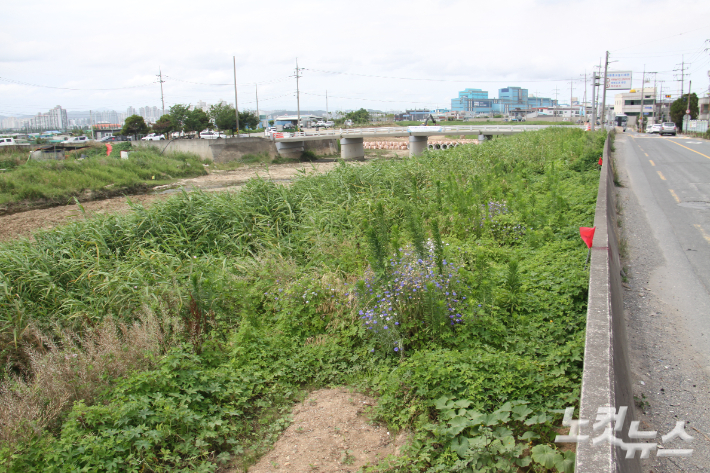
(432, 80)
(369, 100)
(12, 81)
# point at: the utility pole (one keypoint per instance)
(584, 99)
(160, 79)
(682, 70)
(326, 105)
(643, 83)
(654, 96)
(236, 103)
(686, 118)
(606, 67)
(298, 97)
(258, 117)
(595, 90)
(557, 104)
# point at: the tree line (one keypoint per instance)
(181, 118)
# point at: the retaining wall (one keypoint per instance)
(606, 379)
(232, 149)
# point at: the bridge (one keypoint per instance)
(351, 140)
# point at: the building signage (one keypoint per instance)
(618, 80)
(648, 107)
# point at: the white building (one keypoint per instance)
(629, 103)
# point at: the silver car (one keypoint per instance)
(668, 128)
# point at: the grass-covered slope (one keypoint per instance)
(31, 182)
(451, 286)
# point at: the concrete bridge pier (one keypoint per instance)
(290, 149)
(352, 148)
(417, 145)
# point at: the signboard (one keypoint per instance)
(618, 80)
(648, 107)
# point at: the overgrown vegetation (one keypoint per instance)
(60, 181)
(266, 290)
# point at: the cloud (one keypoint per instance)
(485, 45)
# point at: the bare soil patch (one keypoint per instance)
(330, 432)
(22, 224)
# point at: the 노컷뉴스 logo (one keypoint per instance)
(606, 416)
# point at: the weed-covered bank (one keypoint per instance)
(450, 286)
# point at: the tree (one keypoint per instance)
(164, 125)
(134, 125)
(248, 120)
(679, 107)
(223, 116)
(196, 120)
(178, 114)
(361, 116)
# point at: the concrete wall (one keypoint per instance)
(322, 147)
(606, 379)
(232, 149)
(219, 151)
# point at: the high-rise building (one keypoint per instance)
(131, 111)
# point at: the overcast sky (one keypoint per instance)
(50, 46)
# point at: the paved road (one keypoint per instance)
(666, 219)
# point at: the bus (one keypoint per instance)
(621, 120)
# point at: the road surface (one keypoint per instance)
(666, 226)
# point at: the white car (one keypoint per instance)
(153, 137)
(7, 142)
(212, 135)
(76, 140)
(322, 124)
(269, 131)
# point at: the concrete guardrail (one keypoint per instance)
(606, 380)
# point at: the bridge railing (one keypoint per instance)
(404, 131)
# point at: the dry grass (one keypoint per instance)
(63, 372)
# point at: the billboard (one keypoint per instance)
(618, 80)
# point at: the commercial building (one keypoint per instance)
(704, 108)
(630, 104)
(511, 100)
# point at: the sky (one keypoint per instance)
(384, 55)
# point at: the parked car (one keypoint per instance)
(324, 124)
(269, 131)
(656, 128)
(76, 140)
(211, 135)
(668, 129)
(153, 137)
(111, 139)
(7, 142)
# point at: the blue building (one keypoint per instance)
(473, 100)
(509, 99)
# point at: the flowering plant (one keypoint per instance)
(415, 301)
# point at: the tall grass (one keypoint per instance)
(259, 280)
(61, 180)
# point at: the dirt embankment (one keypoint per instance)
(22, 224)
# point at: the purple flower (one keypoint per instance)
(396, 348)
